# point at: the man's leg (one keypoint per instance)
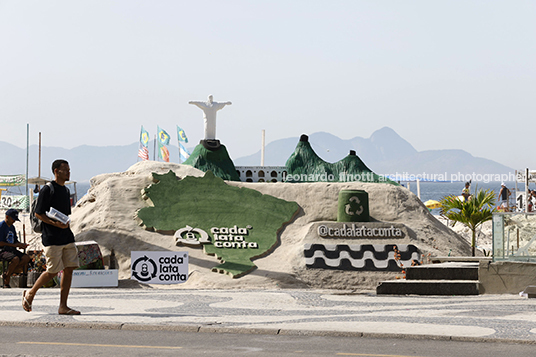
(24, 262)
(43, 279)
(11, 269)
(53, 256)
(66, 279)
(30, 294)
(70, 263)
(23, 265)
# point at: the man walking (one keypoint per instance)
(58, 239)
(504, 194)
(8, 247)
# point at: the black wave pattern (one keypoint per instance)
(368, 257)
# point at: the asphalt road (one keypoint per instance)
(157, 322)
(39, 341)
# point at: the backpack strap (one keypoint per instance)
(51, 186)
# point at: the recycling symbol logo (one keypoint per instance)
(355, 208)
(144, 269)
(191, 236)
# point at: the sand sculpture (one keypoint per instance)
(298, 233)
(108, 215)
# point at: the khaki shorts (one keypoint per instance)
(60, 257)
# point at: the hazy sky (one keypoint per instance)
(443, 74)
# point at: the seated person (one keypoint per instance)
(8, 247)
(466, 191)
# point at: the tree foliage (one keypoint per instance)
(472, 213)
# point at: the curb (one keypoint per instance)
(257, 331)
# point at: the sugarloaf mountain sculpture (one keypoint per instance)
(304, 165)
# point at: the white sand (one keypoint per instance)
(484, 234)
(107, 214)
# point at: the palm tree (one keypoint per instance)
(472, 213)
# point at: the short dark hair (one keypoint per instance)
(57, 163)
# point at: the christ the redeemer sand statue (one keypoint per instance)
(209, 109)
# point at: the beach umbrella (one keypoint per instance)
(431, 204)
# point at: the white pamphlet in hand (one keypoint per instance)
(58, 216)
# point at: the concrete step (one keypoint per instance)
(460, 259)
(443, 271)
(428, 287)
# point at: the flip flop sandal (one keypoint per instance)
(70, 312)
(25, 303)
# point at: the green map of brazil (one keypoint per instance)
(234, 224)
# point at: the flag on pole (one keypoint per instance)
(183, 153)
(143, 152)
(144, 137)
(181, 134)
(163, 140)
(163, 152)
(163, 136)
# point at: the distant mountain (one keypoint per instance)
(85, 161)
(385, 152)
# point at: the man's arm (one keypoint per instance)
(46, 219)
(14, 245)
(43, 204)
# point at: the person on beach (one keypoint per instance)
(466, 191)
(530, 200)
(8, 247)
(504, 193)
(57, 237)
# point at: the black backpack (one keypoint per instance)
(37, 224)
